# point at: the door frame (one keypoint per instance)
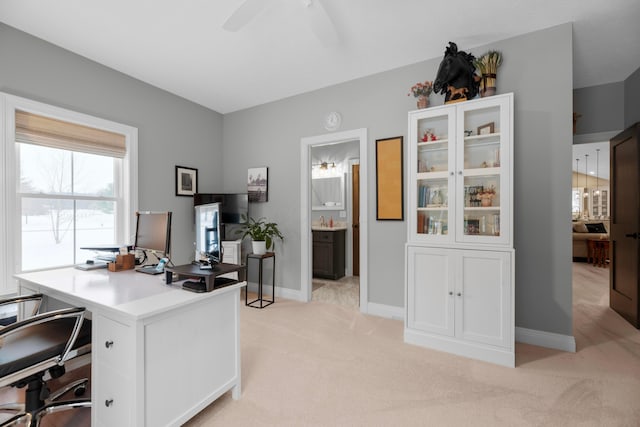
(305, 208)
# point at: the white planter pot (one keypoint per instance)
(259, 247)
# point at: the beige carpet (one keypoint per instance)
(344, 291)
(322, 364)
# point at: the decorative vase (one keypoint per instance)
(259, 247)
(423, 101)
(488, 85)
(485, 201)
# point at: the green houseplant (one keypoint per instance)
(262, 233)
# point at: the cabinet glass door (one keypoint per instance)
(433, 163)
(483, 160)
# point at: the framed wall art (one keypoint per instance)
(186, 181)
(389, 184)
(258, 184)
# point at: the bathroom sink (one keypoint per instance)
(334, 228)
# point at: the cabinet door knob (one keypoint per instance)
(451, 173)
(450, 292)
(108, 344)
(459, 172)
(459, 294)
(108, 402)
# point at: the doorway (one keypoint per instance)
(591, 206)
(359, 135)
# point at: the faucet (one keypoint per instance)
(322, 222)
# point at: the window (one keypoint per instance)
(72, 185)
(66, 200)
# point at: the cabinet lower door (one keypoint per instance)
(483, 298)
(430, 301)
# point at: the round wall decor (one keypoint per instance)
(332, 120)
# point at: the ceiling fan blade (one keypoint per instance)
(321, 23)
(244, 14)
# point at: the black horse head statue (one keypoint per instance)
(457, 76)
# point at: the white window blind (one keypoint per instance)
(40, 130)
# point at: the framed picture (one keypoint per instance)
(186, 181)
(486, 129)
(258, 184)
(389, 185)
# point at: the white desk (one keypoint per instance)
(160, 354)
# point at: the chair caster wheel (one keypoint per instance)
(80, 390)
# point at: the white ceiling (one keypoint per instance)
(180, 46)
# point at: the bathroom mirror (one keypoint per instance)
(327, 193)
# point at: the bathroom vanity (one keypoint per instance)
(329, 252)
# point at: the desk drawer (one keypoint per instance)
(111, 399)
(229, 255)
(114, 344)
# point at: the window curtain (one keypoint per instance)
(46, 131)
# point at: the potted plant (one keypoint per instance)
(422, 92)
(262, 233)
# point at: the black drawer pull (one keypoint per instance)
(108, 344)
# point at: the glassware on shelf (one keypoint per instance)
(434, 222)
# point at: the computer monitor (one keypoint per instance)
(208, 242)
(153, 233)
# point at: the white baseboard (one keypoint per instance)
(286, 293)
(546, 339)
(382, 310)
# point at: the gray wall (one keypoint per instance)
(174, 131)
(543, 130)
(632, 99)
(601, 107)
(171, 130)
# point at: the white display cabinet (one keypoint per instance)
(461, 302)
(460, 173)
(459, 255)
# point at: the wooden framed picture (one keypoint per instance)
(486, 129)
(389, 183)
(186, 181)
(258, 184)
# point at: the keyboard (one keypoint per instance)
(94, 266)
(148, 269)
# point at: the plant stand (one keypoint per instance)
(257, 261)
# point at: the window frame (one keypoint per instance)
(10, 211)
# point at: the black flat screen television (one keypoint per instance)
(232, 205)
